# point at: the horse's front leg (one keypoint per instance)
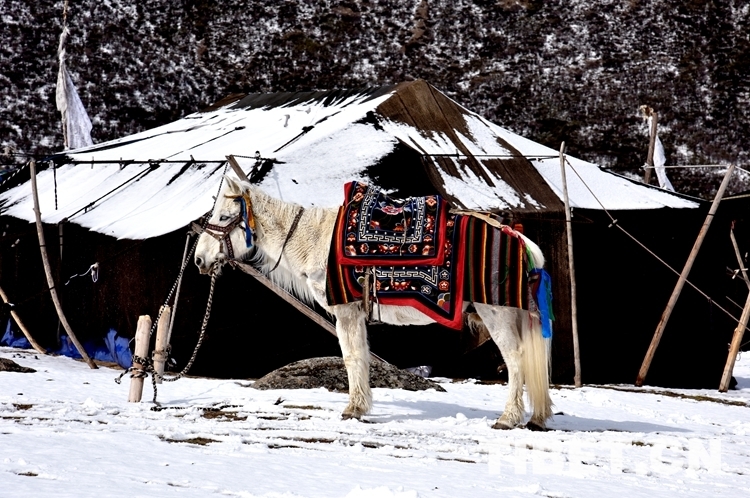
(352, 334)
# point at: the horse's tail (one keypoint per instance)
(536, 339)
(535, 364)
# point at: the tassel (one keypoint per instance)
(544, 301)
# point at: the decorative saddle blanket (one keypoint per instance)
(482, 264)
(373, 229)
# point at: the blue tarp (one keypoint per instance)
(113, 348)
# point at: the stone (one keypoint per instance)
(7, 365)
(329, 372)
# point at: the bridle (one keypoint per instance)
(222, 234)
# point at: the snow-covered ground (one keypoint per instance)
(67, 431)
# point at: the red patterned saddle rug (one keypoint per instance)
(373, 229)
(481, 263)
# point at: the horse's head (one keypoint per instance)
(229, 233)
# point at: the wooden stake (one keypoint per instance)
(48, 270)
(21, 326)
(681, 281)
(651, 145)
(738, 255)
(571, 267)
(734, 348)
(142, 334)
(163, 331)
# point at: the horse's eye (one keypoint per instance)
(223, 217)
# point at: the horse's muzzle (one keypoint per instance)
(206, 268)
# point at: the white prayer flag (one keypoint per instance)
(76, 122)
(659, 161)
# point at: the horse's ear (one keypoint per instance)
(233, 186)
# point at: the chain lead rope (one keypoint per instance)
(147, 366)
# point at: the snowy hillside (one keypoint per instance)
(555, 70)
(67, 431)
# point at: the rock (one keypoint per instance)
(329, 372)
(7, 365)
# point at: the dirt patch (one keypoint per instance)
(201, 441)
(223, 416)
(329, 372)
(672, 394)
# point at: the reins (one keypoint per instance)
(288, 236)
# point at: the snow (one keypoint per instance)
(319, 146)
(610, 191)
(67, 431)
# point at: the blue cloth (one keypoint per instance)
(113, 348)
(544, 301)
(248, 230)
(10, 339)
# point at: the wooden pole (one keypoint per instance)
(159, 356)
(571, 267)
(734, 348)
(142, 333)
(179, 285)
(681, 281)
(236, 167)
(299, 305)
(21, 326)
(738, 255)
(48, 270)
(651, 145)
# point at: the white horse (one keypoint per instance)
(302, 258)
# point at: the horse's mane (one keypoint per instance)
(276, 218)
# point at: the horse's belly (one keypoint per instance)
(400, 315)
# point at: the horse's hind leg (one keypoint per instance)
(352, 334)
(502, 324)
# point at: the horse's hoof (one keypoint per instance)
(502, 425)
(351, 414)
(533, 426)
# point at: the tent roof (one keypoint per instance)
(157, 181)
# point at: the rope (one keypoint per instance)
(10, 177)
(93, 269)
(614, 223)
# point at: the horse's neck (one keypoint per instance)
(307, 248)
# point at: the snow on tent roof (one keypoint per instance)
(157, 181)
